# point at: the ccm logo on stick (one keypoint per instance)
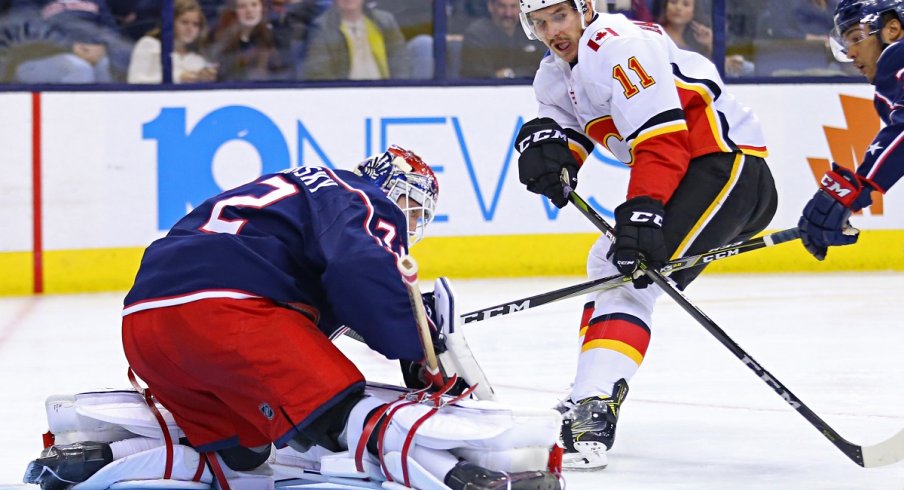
(543, 134)
(765, 376)
(496, 310)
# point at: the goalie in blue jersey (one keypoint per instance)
(230, 322)
(866, 33)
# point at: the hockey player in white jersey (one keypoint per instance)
(698, 181)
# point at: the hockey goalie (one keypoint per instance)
(229, 324)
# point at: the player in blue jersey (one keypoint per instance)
(866, 33)
(232, 313)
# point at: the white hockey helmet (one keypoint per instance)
(408, 182)
(528, 6)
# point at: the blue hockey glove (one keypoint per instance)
(638, 236)
(824, 221)
(544, 158)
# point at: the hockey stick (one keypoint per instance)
(408, 268)
(881, 454)
(618, 280)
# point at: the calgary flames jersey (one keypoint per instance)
(652, 105)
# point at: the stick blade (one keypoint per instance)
(887, 452)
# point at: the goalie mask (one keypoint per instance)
(408, 182)
(857, 20)
(528, 6)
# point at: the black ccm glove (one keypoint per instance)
(544, 151)
(638, 236)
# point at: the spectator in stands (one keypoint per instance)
(740, 29)
(686, 23)
(415, 20)
(353, 42)
(291, 21)
(135, 18)
(809, 20)
(497, 47)
(461, 13)
(639, 10)
(792, 38)
(211, 9)
(189, 32)
(91, 41)
(244, 44)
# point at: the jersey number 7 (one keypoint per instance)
(218, 224)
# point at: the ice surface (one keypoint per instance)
(695, 418)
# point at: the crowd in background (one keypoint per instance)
(102, 41)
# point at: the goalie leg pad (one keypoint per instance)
(104, 416)
(146, 467)
(472, 425)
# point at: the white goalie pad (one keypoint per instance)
(458, 358)
(104, 416)
(487, 433)
(484, 432)
(145, 470)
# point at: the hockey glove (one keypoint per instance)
(415, 373)
(638, 237)
(416, 378)
(825, 218)
(544, 151)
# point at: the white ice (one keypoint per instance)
(695, 417)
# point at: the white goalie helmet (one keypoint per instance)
(528, 6)
(408, 182)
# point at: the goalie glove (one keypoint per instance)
(415, 373)
(454, 353)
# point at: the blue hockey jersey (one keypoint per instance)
(883, 163)
(325, 241)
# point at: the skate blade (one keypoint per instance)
(590, 456)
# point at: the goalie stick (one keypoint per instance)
(618, 280)
(884, 453)
(408, 268)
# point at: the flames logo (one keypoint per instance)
(848, 145)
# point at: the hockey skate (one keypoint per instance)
(588, 429)
(61, 466)
(469, 476)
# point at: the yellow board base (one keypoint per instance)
(113, 269)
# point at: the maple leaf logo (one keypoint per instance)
(848, 145)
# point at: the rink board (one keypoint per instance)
(95, 177)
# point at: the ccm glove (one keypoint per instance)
(544, 151)
(825, 217)
(638, 237)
